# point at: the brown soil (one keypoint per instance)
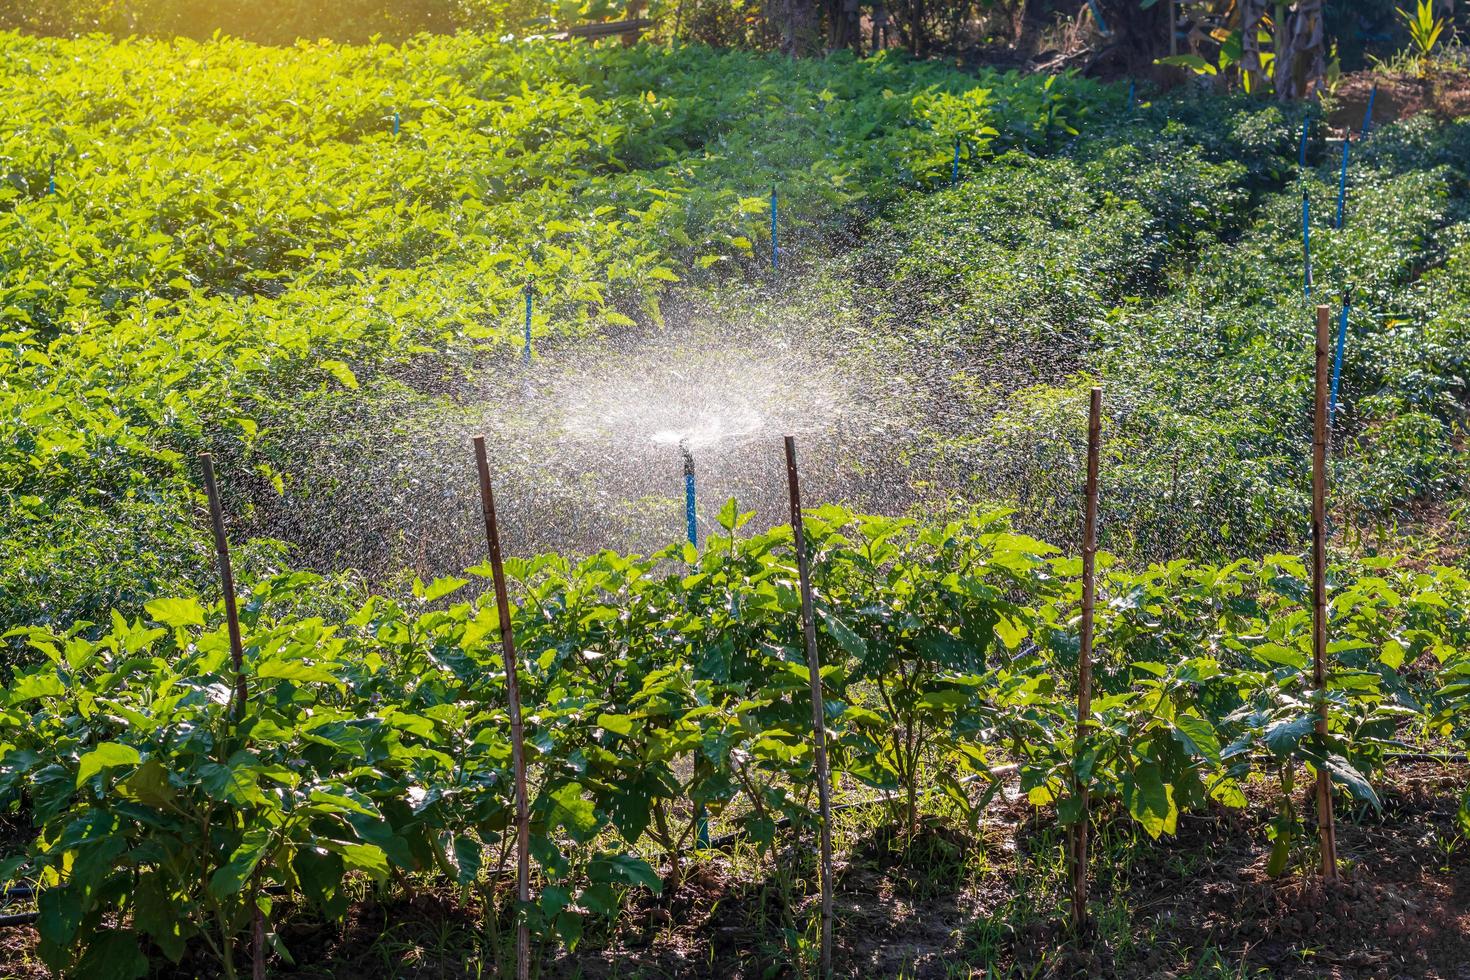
(1444, 93)
(950, 902)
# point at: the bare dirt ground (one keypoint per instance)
(1443, 92)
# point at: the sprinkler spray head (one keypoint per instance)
(688, 457)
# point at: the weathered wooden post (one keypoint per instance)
(513, 697)
(1084, 656)
(819, 713)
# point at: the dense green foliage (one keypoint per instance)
(1168, 265)
(221, 255)
(379, 743)
(180, 291)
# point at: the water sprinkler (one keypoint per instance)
(689, 519)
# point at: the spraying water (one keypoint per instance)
(589, 452)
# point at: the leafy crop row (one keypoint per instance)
(377, 743)
(236, 231)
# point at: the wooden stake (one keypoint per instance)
(513, 696)
(242, 692)
(1084, 657)
(819, 714)
(1327, 827)
(227, 585)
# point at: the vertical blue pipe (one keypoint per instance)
(1306, 123)
(51, 187)
(1347, 305)
(395, 122)
(1342, 181)
(1102, 27)
(691, 525)
(1368, 116)
(775, 246)
(526, 350)
(954, 173)
(1132, 94)
(1306, 243)
(701, 822)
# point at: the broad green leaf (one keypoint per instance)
(177, 613)
(104, 756)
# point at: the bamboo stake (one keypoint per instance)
(1084, 658)
(227, 585)
(819, 714)
(1327, 827)
(513, 696)
(241, 692)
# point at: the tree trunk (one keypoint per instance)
(1252, 12)
(1301, 52)
(843, 30)
(796, 20)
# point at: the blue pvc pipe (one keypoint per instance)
(1347, 305)
(1306, 243)
(775, 246)
(395, 122)
(1342, 181)
(1132, 93)
(526, 350)
(954, 173)
(1368, 116)
(701, 821)
(51, 187)
(691, 525)
(1306, 123)
(1102, 27)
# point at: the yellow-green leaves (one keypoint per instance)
(106, 756)
(178, 613)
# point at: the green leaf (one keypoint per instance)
(440, 588)
(617, 724)
(296, 671)
(627, 869)
(148, 785)
(177, 613)
(1191, 61)
(112, 954)
(1357, 784)
(1150, 800)
(231, 877)
(1282, 737)
(1198, 736)
(104, 756)
(362, 857)
(467, 858)
(320, 873)
(570, 810)
(159, 917)
(341, 372)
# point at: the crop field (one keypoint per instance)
(633, 271)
